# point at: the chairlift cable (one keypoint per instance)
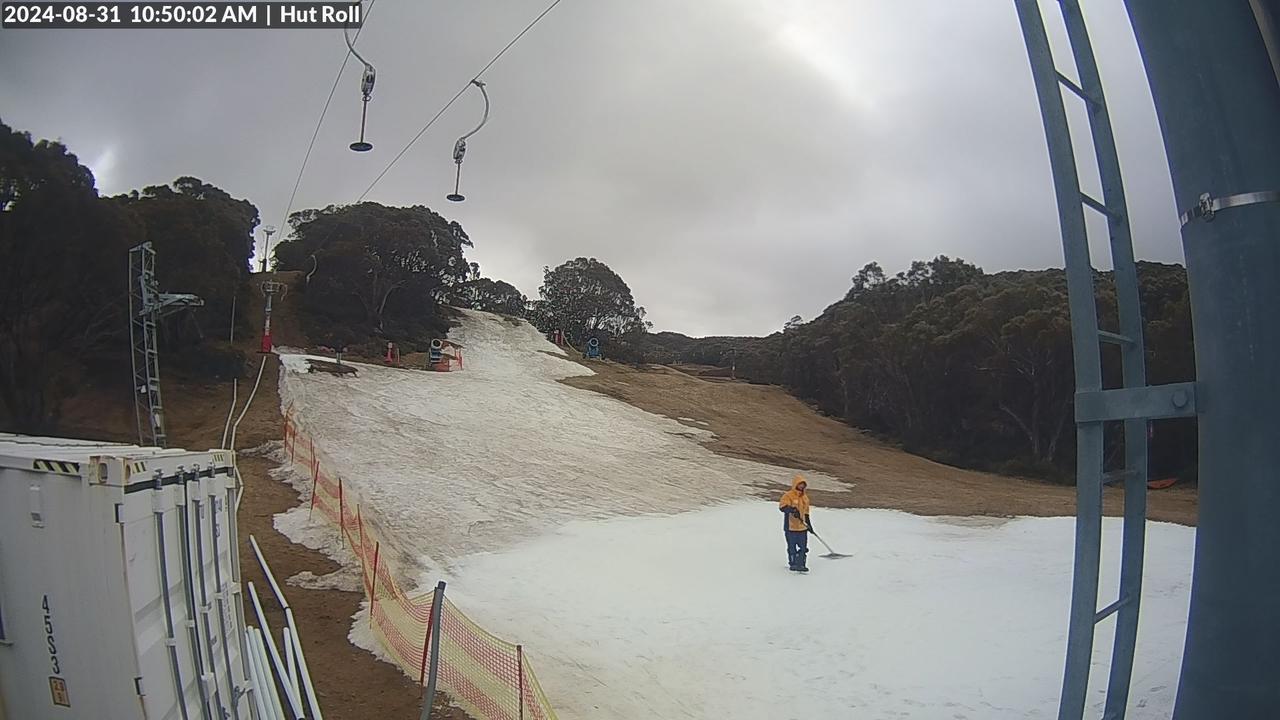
(316, 134)
(454, 99)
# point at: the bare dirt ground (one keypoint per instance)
(351, 683)
(764, 423)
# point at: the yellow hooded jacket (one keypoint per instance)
(799, 500)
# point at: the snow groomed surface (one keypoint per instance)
(696, 616)
(499, 453)
(599, 536)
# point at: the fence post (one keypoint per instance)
(520, 674)
(426, 644)
(373, 584)
(360, 524)
(342, 516)
(315, 475)
(437, 608)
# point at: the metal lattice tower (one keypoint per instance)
(146, 306)
(1135, 403)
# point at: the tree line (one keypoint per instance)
(970, 368)
(373, 274)
(64, 276)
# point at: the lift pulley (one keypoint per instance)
(460, 147)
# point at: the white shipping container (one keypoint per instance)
(119, 583)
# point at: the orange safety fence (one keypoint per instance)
(487, 677)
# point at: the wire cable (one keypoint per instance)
(336, 81)
(454, 99)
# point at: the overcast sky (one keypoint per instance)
(735, 161)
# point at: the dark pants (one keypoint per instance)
(797, 547)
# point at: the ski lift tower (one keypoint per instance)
(146, 306)
(1213, 68)
(270, 288)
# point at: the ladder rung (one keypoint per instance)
(1069, 84)
(1114, 338)
(1109, 610)
(1098, 205)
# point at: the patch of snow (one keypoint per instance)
(271, 450)
(697, 616)
(318, 534)
(346, 578)
(361, 635)
(617, 549)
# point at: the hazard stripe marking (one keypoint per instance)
(61, 467)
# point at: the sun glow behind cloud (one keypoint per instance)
(103, 169)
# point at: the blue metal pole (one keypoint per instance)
(1218, 101)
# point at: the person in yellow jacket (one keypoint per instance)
(796, 524)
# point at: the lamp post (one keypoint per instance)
(266, 249)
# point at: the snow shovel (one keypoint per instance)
(831, 554)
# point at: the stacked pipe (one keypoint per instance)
(272, 672)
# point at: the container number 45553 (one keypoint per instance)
(57, 685)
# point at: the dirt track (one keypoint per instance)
(759, 422)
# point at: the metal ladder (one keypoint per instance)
(143, 306)
(1136, 402)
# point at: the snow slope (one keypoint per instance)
(501, 452)
(696, 616)
(621, 553)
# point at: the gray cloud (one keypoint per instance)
(736, 161)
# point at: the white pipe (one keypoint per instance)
(226, 428)
(302, 665)
(237, 595)
(291, 692)
(255, 674)
(272, 698)
(206, 605)
(275, 696)
(265, 687)
(247, 403)
(291, 662)
(235, 382)
(255, 685)
(266, 570)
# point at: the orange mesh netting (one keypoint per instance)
(488, 677)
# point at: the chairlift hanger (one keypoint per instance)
(460, 147)
(366, 92)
